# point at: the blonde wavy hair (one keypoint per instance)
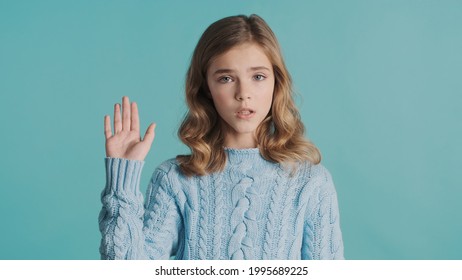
(280, 136)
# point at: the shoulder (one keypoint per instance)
(319, 191)
(168, 166)
(169, 169)
(318, 177)
(165, 176)
(320, 172)
(171, 172)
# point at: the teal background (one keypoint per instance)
(379, 89)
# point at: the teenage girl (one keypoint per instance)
(252, 186)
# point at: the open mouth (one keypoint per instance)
(245, 113)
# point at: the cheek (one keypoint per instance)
(220, 101)
(221, 96)
(267, 96)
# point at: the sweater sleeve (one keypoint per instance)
(131, 229)
(322, 237)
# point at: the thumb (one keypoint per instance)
(150, 133)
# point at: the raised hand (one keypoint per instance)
(126, 141)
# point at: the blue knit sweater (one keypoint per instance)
(253, 209)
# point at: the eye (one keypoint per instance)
(225, 79)
(259, 77)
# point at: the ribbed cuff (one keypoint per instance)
(123, 175)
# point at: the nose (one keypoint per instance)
(243, 91)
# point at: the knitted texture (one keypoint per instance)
(253, 209)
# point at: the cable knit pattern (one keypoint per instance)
(203, 220)
(219, 216)
(253, 209)
(243, 220)
(270, 224)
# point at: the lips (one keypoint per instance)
(245, 113)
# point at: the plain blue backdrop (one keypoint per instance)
(378, 86)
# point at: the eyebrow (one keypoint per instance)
(222, 71)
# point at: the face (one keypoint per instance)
(241, 84)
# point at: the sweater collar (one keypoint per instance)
(242, 155)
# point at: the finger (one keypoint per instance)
(135, 118)
(117, 122)
(107, 127)
(150, 133)
(125, 113)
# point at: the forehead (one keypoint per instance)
(245, 55)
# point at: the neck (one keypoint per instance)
(241, 141)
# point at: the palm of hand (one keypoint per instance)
(126, 141)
